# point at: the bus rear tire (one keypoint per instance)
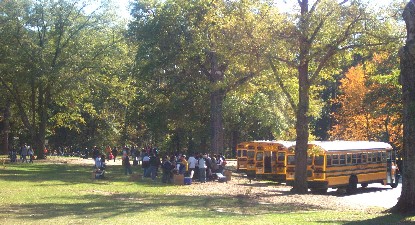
(364, 185)
(352, 187)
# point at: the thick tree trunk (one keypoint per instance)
(216, 117)
(6, 129)
(301, 127)
(43, 102)
(300, 182)
(406, 203)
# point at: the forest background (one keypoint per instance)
(196, 76)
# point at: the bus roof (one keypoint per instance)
(351, 145)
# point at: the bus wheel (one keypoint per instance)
(352, 187)
(319, 190)
(364, 185)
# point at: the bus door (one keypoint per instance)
(259, 160)
(318, 167)
(281, 163)
(269, 161)
(290, 169)
(250, 170)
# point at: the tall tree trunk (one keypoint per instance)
(43, 101)
(215, 72)
(406, 203)
(301, 127)
(300, 182)
(216, 117)
(6, 129)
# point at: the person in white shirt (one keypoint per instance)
(98, 162)
(202, 168)
(192, 161)
(145, 164)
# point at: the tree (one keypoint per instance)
(215, 45)
(320, 32)
(54, 43)
(368, 103)
(406, 202)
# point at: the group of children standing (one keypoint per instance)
(201, 167)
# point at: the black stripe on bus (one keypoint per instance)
(348, 173)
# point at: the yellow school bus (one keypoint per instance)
(344, 164)
(270, 159)
(242, 157)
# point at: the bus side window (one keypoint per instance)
(369, 157)
(364, 158)
(359, 158)
(373, 157)
(328, 163)
(354, 158)
(342, 159)
(379, 157)
(335, 159)
(349, 159)
(383, 156)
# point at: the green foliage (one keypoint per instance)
(67, 65)
(70, 62)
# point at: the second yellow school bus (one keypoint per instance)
(344, 164)
(270, 159)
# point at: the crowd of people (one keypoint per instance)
(25, 152)
(198, 166)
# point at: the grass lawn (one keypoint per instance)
(63, 193)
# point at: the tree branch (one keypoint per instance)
(282, 86)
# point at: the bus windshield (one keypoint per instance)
(319, 160)
(259, 156)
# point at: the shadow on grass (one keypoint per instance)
(67, 173)
(386, 219)
(102, 205)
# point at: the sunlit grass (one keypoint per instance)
(61, 193)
